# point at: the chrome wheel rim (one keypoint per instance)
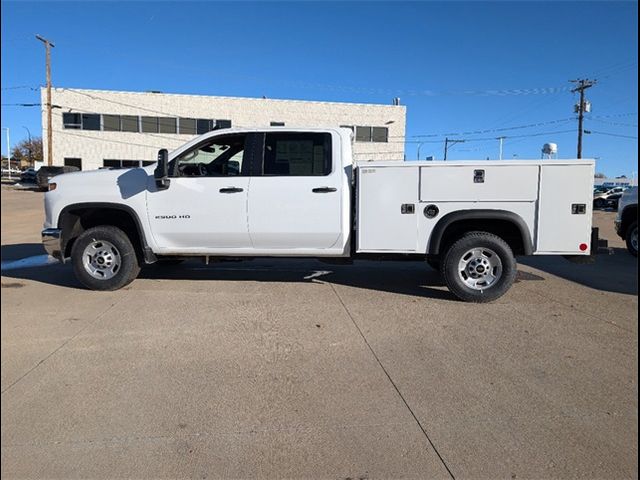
(101, 259)
(634, 239)
(480, 268)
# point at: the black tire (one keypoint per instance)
(454, 255)
(128, 268)
(599, 203)
(631, 231)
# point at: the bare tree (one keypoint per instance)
(28, 151)
(600, 175)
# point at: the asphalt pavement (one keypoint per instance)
(298, 369)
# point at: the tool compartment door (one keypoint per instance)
(381, 224)
(565, 208)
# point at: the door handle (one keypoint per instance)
(324, 190)
(231, 190)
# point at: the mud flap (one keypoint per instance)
(598, 246)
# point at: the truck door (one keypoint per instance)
(295, 199)
(205, 206)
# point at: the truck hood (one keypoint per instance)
(124, 183)
(125, 187)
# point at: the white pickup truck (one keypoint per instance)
(279, 192)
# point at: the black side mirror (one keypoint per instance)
(161, 173)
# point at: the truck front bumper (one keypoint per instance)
(52, 241)
(618, 226)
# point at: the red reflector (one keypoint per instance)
(583, 247)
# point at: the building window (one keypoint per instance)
(167, 124)
(363, 134)
(223, 123)
(73, 162)
(72, 121)
(372, 134)
(203, 125)
(149, 124)
(129, 123)
(112, 163)
(90, 121)
(379, 134)
(187, 126)
(297, 154)
(111, 123)
(277, 124)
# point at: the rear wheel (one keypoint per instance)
(632, 239)
(479, 267)
(599, 203)
(103, 258)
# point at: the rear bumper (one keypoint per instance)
(52, 241)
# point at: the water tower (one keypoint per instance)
(550, 150)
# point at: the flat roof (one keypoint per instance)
(257, 99)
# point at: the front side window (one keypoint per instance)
(218, 157)
(297, 154)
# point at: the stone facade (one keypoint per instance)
(95, 146)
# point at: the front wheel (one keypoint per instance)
(479, 267)
(103, 258)
(632, 239)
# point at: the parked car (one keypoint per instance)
(47, 173)
(600, 199)
(626, 221)
(613, 199)
(29, 175)
(10, 172)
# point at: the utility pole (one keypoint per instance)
(500, 139)
(448, 141)
(581, 86)
(48, 46)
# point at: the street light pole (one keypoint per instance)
(29, 148)
(419, 145)
(501, 139)
(448, 141)
(8, 151)
(48, 46)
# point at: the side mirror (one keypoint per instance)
(161, 173)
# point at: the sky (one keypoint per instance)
(471, 71)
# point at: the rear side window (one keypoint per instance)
(297, 154)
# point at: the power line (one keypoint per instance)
(20, 104)
(613, 134)
(490, 130)
(620, 124)
(21, 87)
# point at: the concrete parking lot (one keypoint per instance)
(271, 369)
